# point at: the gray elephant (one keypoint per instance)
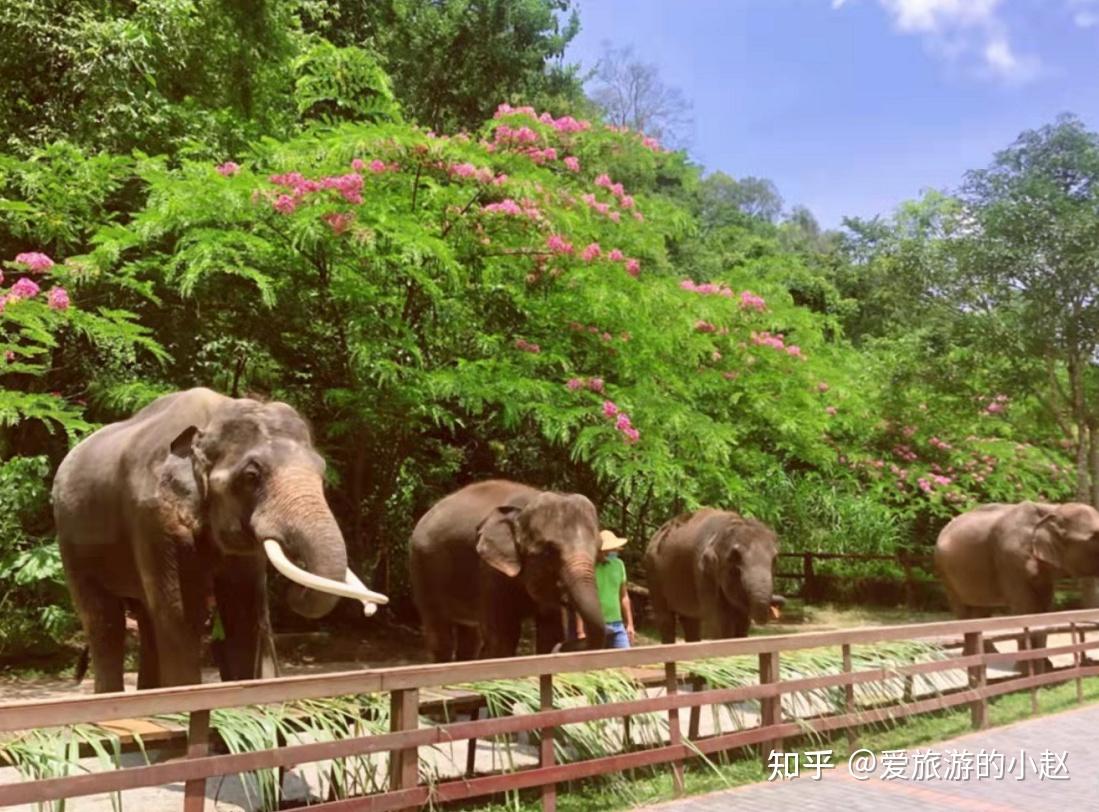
(494, 553)
(180, 502)
(713, 570)
(1009, 556)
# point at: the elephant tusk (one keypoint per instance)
(350, 588)
(351, 579)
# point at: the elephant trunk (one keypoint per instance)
(760, 597)
(294, 514)
(578, 575)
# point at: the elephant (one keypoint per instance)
(496, 552)
(187, 500)
(713, 569)
(1010, 555)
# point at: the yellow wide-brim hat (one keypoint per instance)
(611, 541)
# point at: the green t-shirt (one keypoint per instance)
(610, 575)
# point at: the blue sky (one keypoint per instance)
(852, 106)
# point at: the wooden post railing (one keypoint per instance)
(405, 738)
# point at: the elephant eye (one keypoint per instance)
(251, 473)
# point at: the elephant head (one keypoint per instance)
(550, 541)
(250, 482)
(738, 559)
(1066, 537)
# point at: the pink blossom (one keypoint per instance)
(925, 486)
(572, 163)
(822, 387)
(830, 411)
(638, 216)
(626, 202)
(702, 326)
(595, 384)
(623, 422)
(228, 168)
(604, 180)
(591, 252)
(749, 301)
(609, 408)
(994, 408)
(358, 164)
(58, 299)
(794, 350)
(500, 180)
(34, 261)
(526, 346)
(765, 339)
(558, 245)
(632, 434)
(615, 216)
(616, 189)
(505, 206)
(377, 166)
(9, 356)
(285, 204)
(24, 288)
(650, 143)
(462, 170)
(615, 255)
(339, 221)
(941, 480)
(633, 267)
(574, 384)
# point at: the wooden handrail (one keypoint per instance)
(404, 682)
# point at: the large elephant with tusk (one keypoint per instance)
(189, 499)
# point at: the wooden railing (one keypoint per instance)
(403, 685)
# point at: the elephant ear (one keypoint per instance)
(1048, 540)
(498, 542)
(181, 488)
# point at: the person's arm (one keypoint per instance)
(627, 610)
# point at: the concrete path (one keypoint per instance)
(1046, 763)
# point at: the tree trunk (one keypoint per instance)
(1089, 587)
(1079, 414)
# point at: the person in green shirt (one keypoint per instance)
(610, 582)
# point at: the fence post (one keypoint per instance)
(770, 708)
(404, 714)
(471, 745)
(849, 698)
(1031, 667)
(978, 709)
(675, 735)
(549, 791)
(697, 685)
(198, 745)
(808, 579)
(1078, 661)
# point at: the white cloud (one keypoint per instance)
(1085, 13)
(960, 30)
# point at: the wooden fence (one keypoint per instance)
(403, 685)
(812, 583)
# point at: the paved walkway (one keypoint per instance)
(1022, 780)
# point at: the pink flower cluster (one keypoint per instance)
(706, 289)
(616, 189)
(997, 404)
(339, 221)
(510, 208)
(565, 124)
(527, 346)
(705, 327)
(935, 442)
(558, 244)
(905, 452)
(622, 421)
(822, 387)
(601, 208)
(750, 301)
(572, 163)
(591, 328)
(928, 484)
(349, 186)
(228, 168)
(24, 288)
(58, 299)
(33, 261)
(591, 252)
(778, 342)
(593, 384)
(831, 411)
(376, 166)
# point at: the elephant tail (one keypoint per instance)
(81, 667)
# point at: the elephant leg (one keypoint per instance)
(692, 629)
(738, 623)
(501, 637)
(103, 616)
(549, 631)
(174, 585)
(665, 624)
(439, 637)
(468, 642)
(1028, 598)
(148, 674)
(240, 593)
